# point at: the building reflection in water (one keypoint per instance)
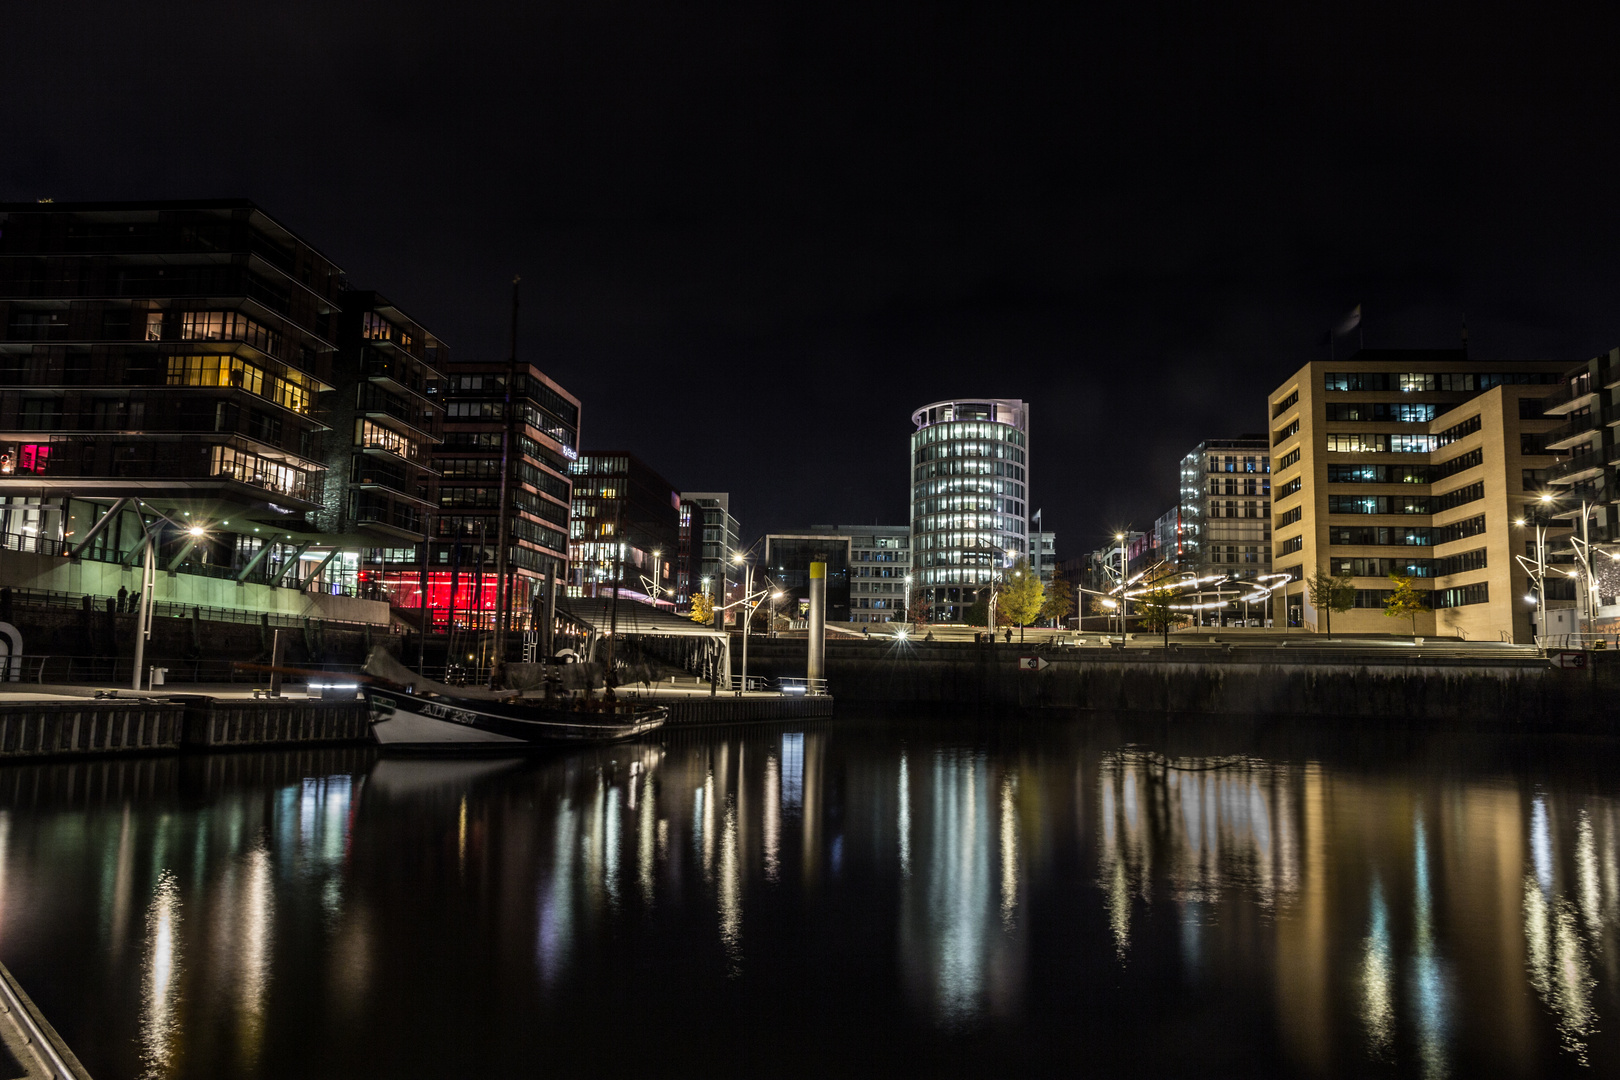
(1368, 918)
(962, 948)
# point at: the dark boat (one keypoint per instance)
(412, 713)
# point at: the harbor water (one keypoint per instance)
(861, 896)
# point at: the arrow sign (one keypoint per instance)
(1569, 660)
(1031, 663)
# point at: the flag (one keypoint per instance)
(1351, 321)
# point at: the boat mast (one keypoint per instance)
(504, 522)
(611, 679)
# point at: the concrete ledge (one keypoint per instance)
(30, 1039)
(735, 710)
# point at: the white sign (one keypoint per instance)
(1031, 663)
(1569, 660)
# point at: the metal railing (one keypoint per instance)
(31, 543)
(1550, 642)
(176, 610)
(119, 670)
(814, 687)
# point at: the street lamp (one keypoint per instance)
(1537, 569)
(1120, 537)
(749, 604)
(143, 623)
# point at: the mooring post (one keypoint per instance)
(816, 669)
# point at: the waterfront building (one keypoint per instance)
(709, 538)
(463, 552)
(1224, 517)
(1167, 536)
(969, 500)
(787, 567)
(879, 570)
(174, 352)
(1043, 557)
(1586, 405)
(1414, 462)
(625, 522)
(383, 418)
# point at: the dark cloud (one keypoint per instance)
(754, 237)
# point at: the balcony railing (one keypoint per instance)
(1581, 425)
(1571, 390)
(1576, 466)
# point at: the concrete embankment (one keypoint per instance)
(49, 728)
(58, 724)
(1506, 690)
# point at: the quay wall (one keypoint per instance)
(31, 729)
(727, 709)
(1507, 692)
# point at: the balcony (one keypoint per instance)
(1575, 430)
(1572, 395)
(1576, 468)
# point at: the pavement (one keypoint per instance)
(291, 691)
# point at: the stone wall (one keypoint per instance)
(1507, 693)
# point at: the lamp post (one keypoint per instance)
(1537, 569)
(775, 596)
(1120, 537)
(748, 608)
(143, 623)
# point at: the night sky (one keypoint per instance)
(754, 237)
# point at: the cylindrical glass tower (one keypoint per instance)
(969, 504)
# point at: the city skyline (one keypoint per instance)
(1046, 208)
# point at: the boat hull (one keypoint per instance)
(417, 722)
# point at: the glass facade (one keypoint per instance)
(969, 500)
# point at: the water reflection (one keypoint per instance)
(160, 1022)
(1317, 915)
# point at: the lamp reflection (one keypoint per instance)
(160, 1020)
(964, 957)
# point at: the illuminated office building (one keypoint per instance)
(969, 504)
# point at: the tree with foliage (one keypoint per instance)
(1022, 595)
(1330, 593)
(1405, 601)
(1059, 601)
(1155, 608)
(978, 612)
(703, 608)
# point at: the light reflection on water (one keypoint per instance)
(1037, 896)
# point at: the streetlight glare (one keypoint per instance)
(196, 530)
(1546, 498)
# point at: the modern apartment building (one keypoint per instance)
(626, 522)
(174, 353)
(1224, 520)
(1586, 405)
(1167, 536)
(709, 538)
(969, 499)
(787, 567)
(461, 580)
(1043, 557)
(1413, 462)
(879, 569)
(384, 415)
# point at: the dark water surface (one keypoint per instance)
(854, 897)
